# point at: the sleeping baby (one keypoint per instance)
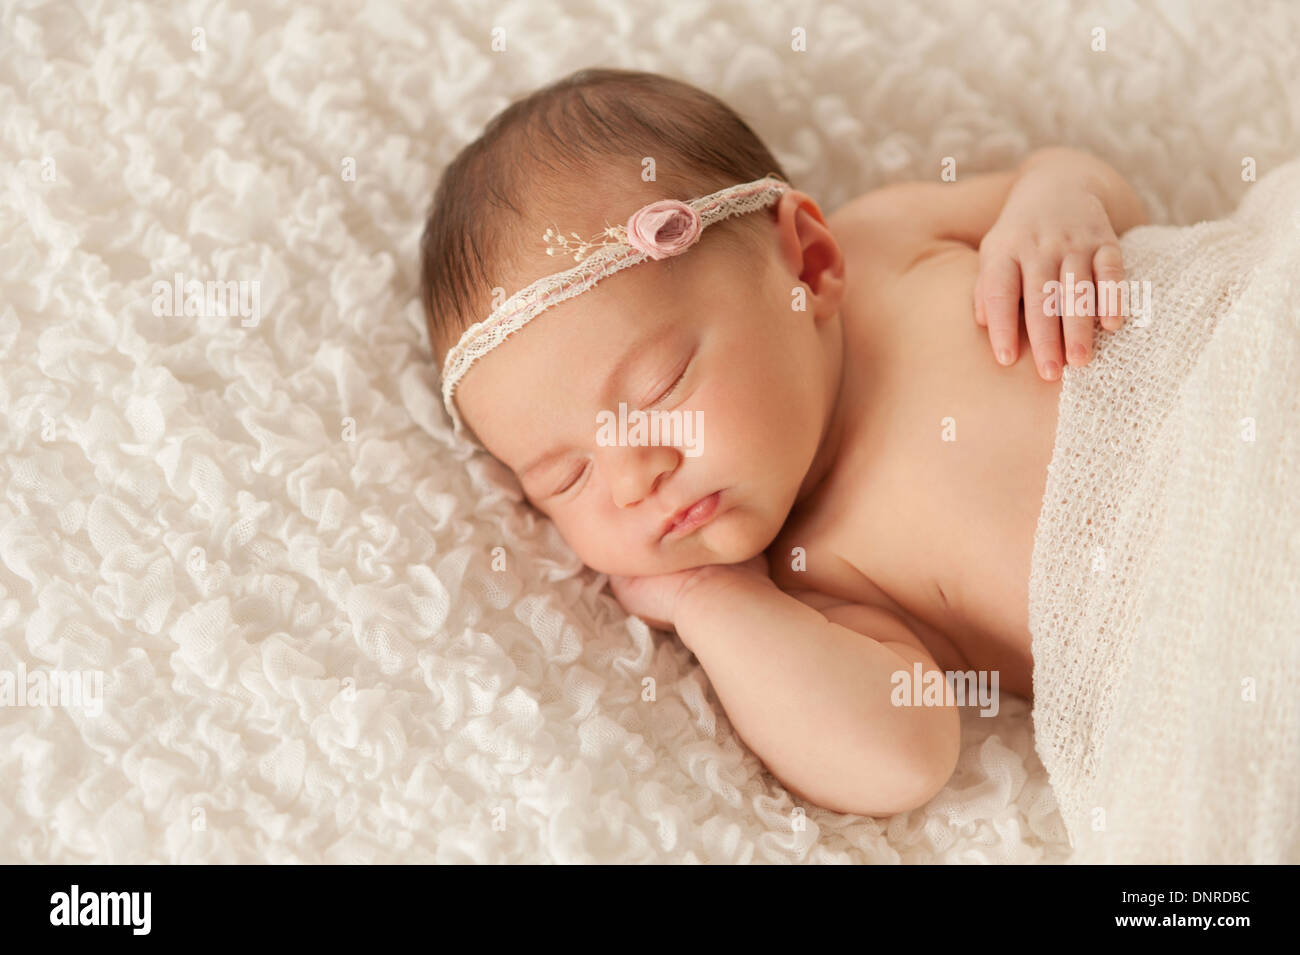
(806, 443)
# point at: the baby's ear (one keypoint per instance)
(810, 251)
(794, 199)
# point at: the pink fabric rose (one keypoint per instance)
(663, 228)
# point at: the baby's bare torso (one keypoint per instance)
(931, 507)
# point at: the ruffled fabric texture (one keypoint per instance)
(327, 632)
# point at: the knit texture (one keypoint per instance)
(1165, 587)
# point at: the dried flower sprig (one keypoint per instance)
(579, 247)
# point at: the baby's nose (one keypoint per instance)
(636, 473)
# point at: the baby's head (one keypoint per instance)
(737, 337)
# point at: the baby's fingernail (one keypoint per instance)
(1050, 370)
(1079, 353)
(1004, 356)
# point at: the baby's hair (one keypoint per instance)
(589, 125)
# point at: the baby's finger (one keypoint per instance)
(1042, 322)
(1108, 267)
(978, 299)
(1076, 310)
(1001, 301)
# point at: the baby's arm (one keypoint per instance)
(810, 693)
(1060, 211)
(1060, 224)
(967, 209)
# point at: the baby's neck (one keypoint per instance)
(832, 436)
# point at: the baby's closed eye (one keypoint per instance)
(678, 375)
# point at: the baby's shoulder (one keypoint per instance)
(885, 203)
(904, 222)
(885, 233)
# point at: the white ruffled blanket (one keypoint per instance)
(1165, 592)
(261, 535)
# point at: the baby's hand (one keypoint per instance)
(655, 599)
(1047, 233)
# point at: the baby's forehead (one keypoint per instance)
(576, 346)
(597, 333)
(646, 293)
(526, 395)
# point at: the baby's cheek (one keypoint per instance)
(599, 533)
(756, 411)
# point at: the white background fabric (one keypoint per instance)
(305, 647)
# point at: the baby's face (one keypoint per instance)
(711, 334)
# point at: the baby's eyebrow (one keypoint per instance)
(613, 381)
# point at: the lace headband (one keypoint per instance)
(656, 231)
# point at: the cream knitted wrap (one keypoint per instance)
(1165, 587)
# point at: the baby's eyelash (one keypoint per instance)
(673, 386)
(574, 480)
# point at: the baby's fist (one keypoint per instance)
(657, 599)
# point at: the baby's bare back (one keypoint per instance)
(932, 505)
